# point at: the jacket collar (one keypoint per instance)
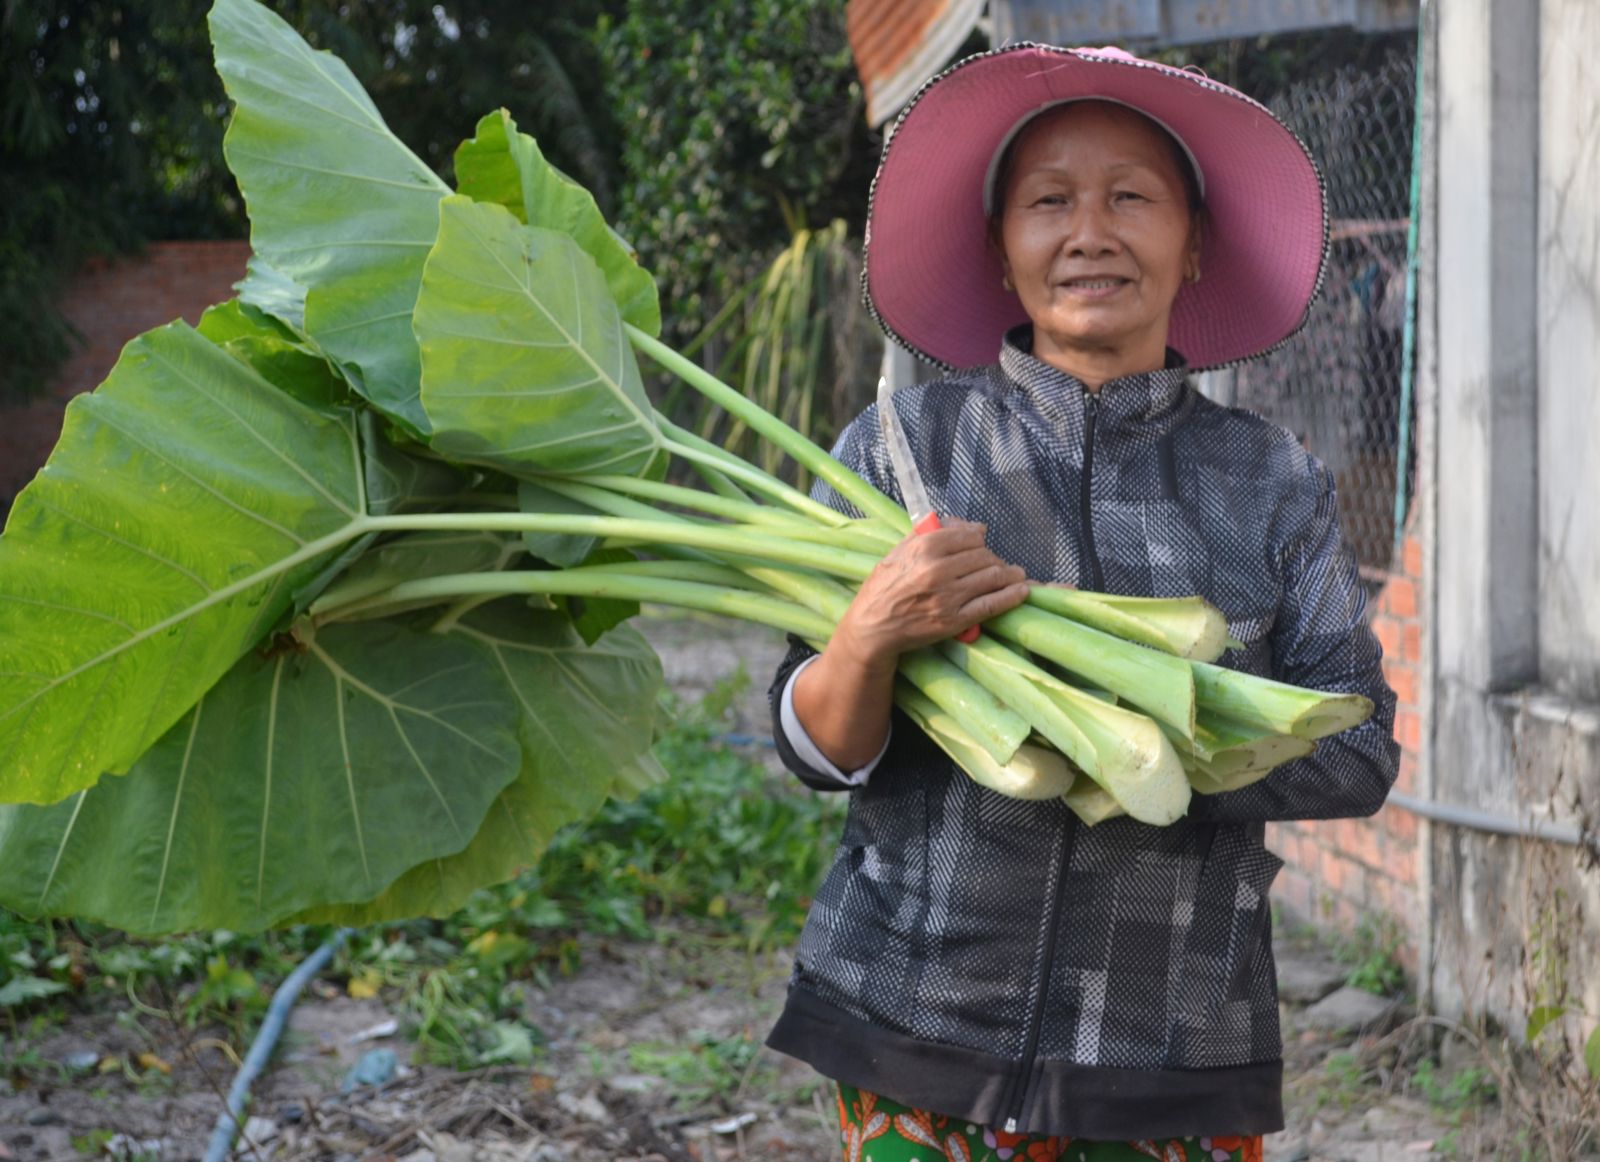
(1151, 397)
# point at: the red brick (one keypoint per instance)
(1293, 888)
(1408, 729)
(1356, 881)
(1334, 868)
(1400, 597)
(1400, 863)
(1388, 632)
(1345, 914)
(1365, 849)
(1401, 825)
(1411, 556)
(1411, 641)
(1402, 680)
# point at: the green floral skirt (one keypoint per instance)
(877, 1129)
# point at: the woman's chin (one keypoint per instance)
(1081, 334)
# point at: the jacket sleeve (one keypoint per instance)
(1321, 641)
(858, 450)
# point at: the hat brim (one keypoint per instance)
(933, 281)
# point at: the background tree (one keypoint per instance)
(742, 123)
(111, 122)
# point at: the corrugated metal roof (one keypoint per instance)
(898, 44)
(1174, 22)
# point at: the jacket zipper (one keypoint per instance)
(1030, 1047)
(1091, 560)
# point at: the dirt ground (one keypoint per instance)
(618, 1080)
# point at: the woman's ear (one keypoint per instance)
(997, 244)
(1196, 243)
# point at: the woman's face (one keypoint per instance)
(1097, 236)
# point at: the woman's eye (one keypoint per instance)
(1130, 196)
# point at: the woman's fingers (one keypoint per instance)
(929, 587)
(993, 603)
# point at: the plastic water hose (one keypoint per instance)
(266, 1039)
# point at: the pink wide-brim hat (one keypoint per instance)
(933, 280)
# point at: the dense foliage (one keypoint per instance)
(742, 119)
(111, 124)
(111, 121)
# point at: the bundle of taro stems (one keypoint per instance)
(1112, 702)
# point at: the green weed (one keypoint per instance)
(93, 1142)
(709, 1069)
(1343, 1081)
(1465, 1089)
(1372, 954)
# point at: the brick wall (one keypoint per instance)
(109, 304)
(1337, 871)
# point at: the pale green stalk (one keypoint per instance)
(1225, 745)
(1032, 773)
(702, 453)
(718, 482)
(1277, 706)
(1028, 690)
(840, 539)
(717, 538)
(1091, 803)
(1159, 684)
(846, 483)
(1126, 753)
(702, 572)
(742, 509)
(1189, 627)
(599, 582)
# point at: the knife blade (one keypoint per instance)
(912, 491)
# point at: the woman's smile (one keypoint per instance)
(1092, 288)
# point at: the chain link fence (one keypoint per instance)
(1337, 384)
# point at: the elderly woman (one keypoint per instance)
(1070, 233)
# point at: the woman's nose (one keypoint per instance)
(1090, 231)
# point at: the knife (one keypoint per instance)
(923, 517)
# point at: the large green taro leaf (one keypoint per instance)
(302, 779)
(337, 203)
(186, 501)
(586, 731)
(268, 289)
(413, 557)
(503, 166)
(525, 364)
(283, 358)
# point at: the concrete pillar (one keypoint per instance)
(1488, 94)
(1480, 362)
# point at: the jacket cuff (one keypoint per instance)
(807, 751)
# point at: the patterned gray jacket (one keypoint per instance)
(995, 960)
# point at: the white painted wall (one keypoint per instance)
(1569, 348)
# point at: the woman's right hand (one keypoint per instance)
(929, 587)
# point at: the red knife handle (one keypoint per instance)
(926, 525)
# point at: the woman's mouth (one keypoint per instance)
(1093, 287)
